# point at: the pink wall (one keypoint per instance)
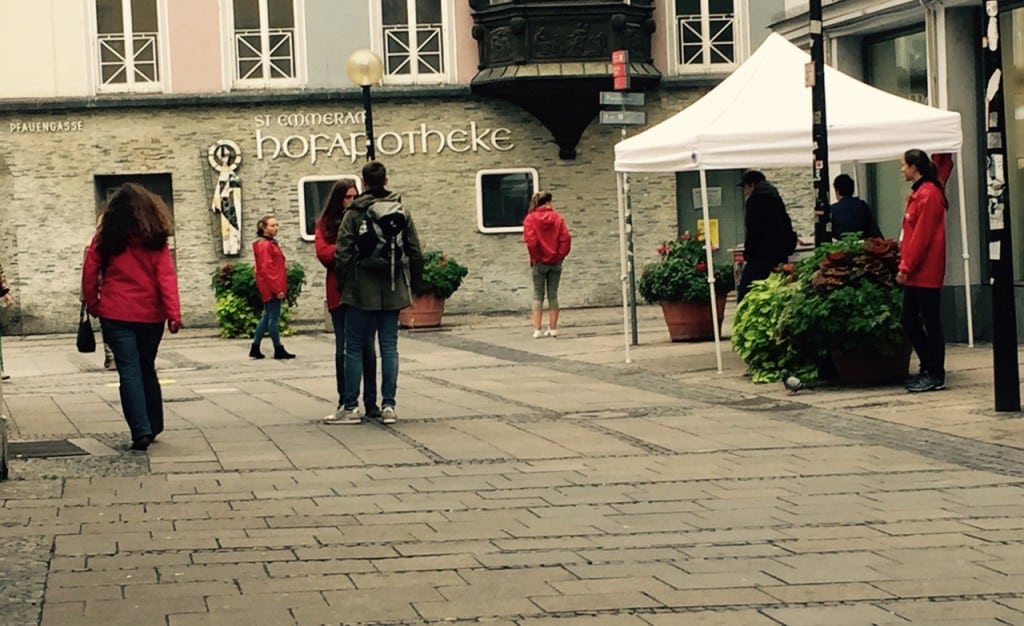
(195, 34)
(468, 57)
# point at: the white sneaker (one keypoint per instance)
(345, 417)
(388, 415)
(551, 332)
(537, 334)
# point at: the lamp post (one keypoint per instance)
(364, 69)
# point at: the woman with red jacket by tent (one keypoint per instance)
(923, 268)
(548, 242)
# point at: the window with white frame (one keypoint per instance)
(414, 43)
(707, 34)
(313, 194)
(264, 42)
(127, 45)
(503, 199)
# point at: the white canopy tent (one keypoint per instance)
(760, 116)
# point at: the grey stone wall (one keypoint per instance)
(48, 197)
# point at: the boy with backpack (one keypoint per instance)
(378, 262)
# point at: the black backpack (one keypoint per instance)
(380, 240)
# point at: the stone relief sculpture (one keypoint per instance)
(225, 157)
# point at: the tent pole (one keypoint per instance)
(964, 251)
(711, 266)
(623, 269)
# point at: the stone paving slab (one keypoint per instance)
(529, 483)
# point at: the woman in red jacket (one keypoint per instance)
(272, 282)
(548, 242)
(338, 201)
(923, 268)
(129, 283)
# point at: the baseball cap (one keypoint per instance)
(751, 177)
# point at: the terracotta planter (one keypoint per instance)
(859, 368)
(425, 312)
(691, 321)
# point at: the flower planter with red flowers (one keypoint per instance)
(678, 281)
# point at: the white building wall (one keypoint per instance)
(44, 49)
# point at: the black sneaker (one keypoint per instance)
(916, 377)
(927, 382)
(372, 410)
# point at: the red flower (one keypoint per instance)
(701, 266)
(685, 236)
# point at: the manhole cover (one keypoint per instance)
(43, 449)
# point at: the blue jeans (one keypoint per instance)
(360, 324)
(369, 359)
(270, 323)
(134, 345)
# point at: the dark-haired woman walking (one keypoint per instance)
(129, 283)
(923, 268)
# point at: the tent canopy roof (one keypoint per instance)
(761, 116)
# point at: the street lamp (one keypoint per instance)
(364, 69)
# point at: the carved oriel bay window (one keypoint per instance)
(553, 57)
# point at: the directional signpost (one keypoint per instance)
(623, 118)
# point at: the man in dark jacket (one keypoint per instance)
(770, 238)
(373, 292)
(850, 213)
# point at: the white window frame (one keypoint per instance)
(741, 40)
(157, 40)
(303, 209)
(298, 47)
(448, 56)
(480, 198)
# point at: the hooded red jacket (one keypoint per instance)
(547, 237)
(139, 285)
(271, 278)
(325, 253)
(923, 244)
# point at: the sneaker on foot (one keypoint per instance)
(388, 415)
(345, 417)
(927, 382)
(551, 332)
(372, 410)
(537, 334)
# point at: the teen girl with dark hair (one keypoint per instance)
(923, 267)
(272, 282)
(338, 201)
(129, 283)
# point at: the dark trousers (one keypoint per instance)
(923, 325)
(135, 345)
(369, 359)
(752, 270)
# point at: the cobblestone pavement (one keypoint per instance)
(528, 483)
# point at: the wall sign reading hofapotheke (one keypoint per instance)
(351, 145)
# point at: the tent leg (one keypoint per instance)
(623, 262)
(711, 267)
(964, 251)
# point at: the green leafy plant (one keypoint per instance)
(442, 275)
(849, 301)
(239, 305)
(680, 274)
(755, 334)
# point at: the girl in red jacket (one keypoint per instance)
(128, 281)
(923, 268)
(338, 201)
(548, 242)
(272, 282)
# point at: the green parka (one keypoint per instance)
(369, 288)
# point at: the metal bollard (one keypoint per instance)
(3, 437)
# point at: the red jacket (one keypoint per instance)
(923, 243)
(271, 278)
(138, 285)
(547, 238)
(325, 252)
